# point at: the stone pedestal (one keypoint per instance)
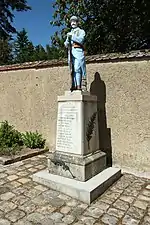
(77, 127)
(78, 159)
(78, 167)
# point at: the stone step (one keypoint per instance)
(84, 191)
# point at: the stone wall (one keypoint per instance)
(122, 84)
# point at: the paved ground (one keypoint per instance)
(24, 202)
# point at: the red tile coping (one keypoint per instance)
(110, 57)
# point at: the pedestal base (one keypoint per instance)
(84, 191)
(78, 167)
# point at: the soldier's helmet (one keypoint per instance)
(75, 18)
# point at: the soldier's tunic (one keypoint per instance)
(78, 57)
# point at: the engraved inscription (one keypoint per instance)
(66, 125)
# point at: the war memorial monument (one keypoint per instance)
(77, 167)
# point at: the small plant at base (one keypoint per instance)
(33, 140)
(9, 137)
(10, 151)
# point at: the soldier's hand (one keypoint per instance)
(69, 35)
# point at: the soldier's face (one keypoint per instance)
(74, 24)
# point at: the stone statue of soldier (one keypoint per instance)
(76, 56)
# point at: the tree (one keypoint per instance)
(5, 52)
(54, 52)
(110, 25)
(6, 29)
(6, 15)
(24, 49)
(49, 52)
(40, 53)
(31, 52)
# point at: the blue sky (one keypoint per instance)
(36, 21)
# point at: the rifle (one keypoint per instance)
(71, 66)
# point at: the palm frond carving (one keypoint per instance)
(90, 128)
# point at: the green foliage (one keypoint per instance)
(10, 151)
(33, 140)
(9, 137)
(23, 48)
(5, 52)
(54, 52)
(25, 51)
(12, 141)
(40, 53)
(111, 26)
(6, 15)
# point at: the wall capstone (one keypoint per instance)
(101, 58)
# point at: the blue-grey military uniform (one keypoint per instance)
(78, 57)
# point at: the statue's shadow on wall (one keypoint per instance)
(98, 88)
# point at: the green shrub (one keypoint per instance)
(9, 137)
(7, 151)
(33, 140)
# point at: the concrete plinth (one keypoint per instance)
(84, 191)
(78, 167)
